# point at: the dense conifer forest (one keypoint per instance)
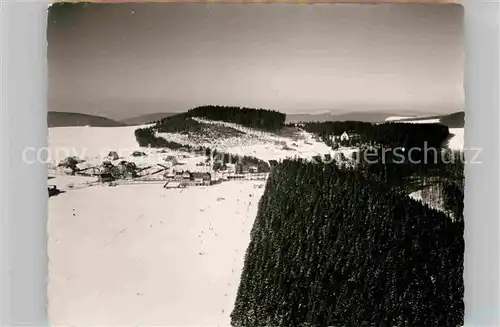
(261, 119)
(336, 246)
(387, 134)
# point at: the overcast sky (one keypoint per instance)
(124, 60)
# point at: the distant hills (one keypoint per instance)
(369, 117)
(454, 120)
(66, 119)
(145, 119)
(62, 119)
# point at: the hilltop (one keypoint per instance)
(66, 119)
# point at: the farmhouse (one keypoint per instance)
(201, 178)
(189, 179)
(344, 137)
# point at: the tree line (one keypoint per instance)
(389, 134)
(261, 119)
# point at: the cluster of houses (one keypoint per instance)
(211, 171)
(187, 178)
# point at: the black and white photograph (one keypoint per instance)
(216, 164)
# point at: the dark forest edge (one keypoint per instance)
(335, 245)
(259, 119)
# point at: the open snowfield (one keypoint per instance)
(94, 143)
(142, 255)
(90, 142)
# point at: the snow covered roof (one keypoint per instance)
(172, 185)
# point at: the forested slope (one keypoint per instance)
(333, 247)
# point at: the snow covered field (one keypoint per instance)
(140, 254)
(413, 120)
(90, 142)
(262, 145)
(143, 255)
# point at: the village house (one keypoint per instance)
(179, 175)
(231, 167)
(202, 178)
(174, 184)
(189, 179)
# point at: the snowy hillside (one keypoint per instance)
(93, 144)
(90, 142)
(263, 145)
